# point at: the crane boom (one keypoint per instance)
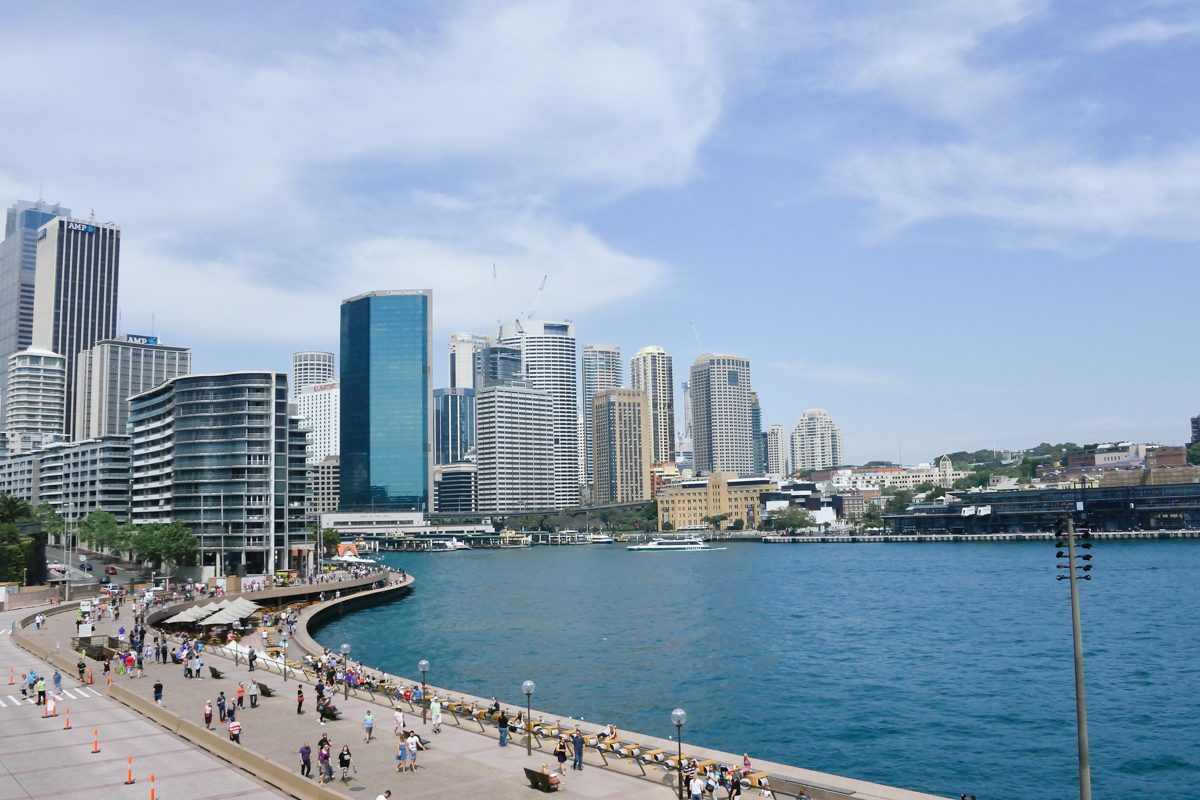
(537, 296)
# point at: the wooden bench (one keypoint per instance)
(216, 673)
(265, 691)
(326, 712)
(539, 780)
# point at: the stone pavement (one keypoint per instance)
(39, 759)
(460, 763)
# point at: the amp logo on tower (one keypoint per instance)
(81, 226)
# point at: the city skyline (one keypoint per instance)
(949, 189)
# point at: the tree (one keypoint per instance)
(871, 517)
(15, 553)
(738, 524)
(668, 526)
(715, 520)
(99, 530)
(1193, 454)
(179, 545)
(899, 501)
(51, 522)
(791, 518)
(13, 509)
(330, 539)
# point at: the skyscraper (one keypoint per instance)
(37, 398)
(651, 371)
(114, 370)
(623, 445)
(319, 407)
(777, 450)
(453, 425)
(514, 447)
(18, 268)
(816, 441)
(75, 292)
(221, 454)
(463, 347)
(601, 370)
(549, 363)
(496, 364)
(311, 367)
(387, 401)
(722, 434)
(757, 436)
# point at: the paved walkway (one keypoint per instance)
(459, 763)
(39, 759)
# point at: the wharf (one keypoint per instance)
(983, 537)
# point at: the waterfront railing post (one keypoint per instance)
(1085, 767)
(679, 716)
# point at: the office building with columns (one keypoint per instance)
(777, 451)
(114, 370)
(602, 369)
(651, 370)
(623, 445)
(514, 448)
(722, 423)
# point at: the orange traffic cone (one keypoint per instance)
(96, 744)
(129, 780)
(151, 786)
(67, 715)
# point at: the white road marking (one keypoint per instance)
(68, 694)
(15, 700)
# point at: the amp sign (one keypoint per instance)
(142, 339)
(81, 226)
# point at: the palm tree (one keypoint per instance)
(13, 509)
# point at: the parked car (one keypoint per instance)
(86, 566)
(110, 570)
(105, 579)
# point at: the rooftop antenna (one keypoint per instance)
(537, 296)
(496, 294)
(92, 216)
(697, 337)
(40, 198)
(900, 448)
(151, 323)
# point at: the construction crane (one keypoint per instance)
(496, 294)
(697, 337)
(537, 296)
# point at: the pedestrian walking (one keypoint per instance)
(57, 683)
(503, 724)
(208, 715)
(414, 744)
(398, 716)
(300, 700)
(40, 687)
(241, 695)
(140, 665)
(252, 658)
(435, 714)
(82, 667)
(235, 731)
(696, 788)
(560, 752)
(577, 745)
(344, 761)
(402, 755)
(386, 794)
(158, 692)
(369, 725)
(254, 694)
(221, 706)
(306, 761)
(323, 765)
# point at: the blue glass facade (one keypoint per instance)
(453, 425)
(387, 401)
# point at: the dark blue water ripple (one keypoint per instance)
(942, 668)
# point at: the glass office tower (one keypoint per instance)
(387, 401)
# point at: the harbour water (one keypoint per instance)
(944, 668)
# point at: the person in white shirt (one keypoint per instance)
(399, 715)
(413, 745)
(696, 788)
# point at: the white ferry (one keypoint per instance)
(673, 544)
(600, 538)
(447, 546)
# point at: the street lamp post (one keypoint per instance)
(678, 717)
(527, 687)
(283, 641)
(1085, 767)
(423, 665)
(345, 648)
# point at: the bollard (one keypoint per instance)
(151, 786)
(96, 744)
(129, 780)
(67, 716)
(10, 676)
(89, 676)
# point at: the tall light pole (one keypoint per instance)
(423, 665)
(1085, 767)
(678, 717)
(345, 648)
(283, 641)
(527, 687)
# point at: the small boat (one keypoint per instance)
(672, 544)
(447, 545)
(600, 538)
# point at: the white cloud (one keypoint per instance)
(1145, 32)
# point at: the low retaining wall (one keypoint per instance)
(338, 606)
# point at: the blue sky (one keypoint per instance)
(951, 222)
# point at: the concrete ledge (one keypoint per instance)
(304, 640)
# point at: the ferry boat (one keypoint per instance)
(672, 544)
(447, 545)
(600, 538)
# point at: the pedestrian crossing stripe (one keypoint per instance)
(68, 694)
(15, 700)
(2, 704)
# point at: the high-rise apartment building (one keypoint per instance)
(777, 451)
(453, 425)
(602, 369)
(319, 406)
(651, 371)
(75, 292)
(221, 454)
(322, 483)
(722, 432)
(687, 411)
(624, 445)
(514, 448)
(549, 363)
(18, 268)
(457, 487)
(78, 478)
(757, 436)
(311, 367)
(463, 347)
(387, 401)
(114, 370)
(816, 441)
(37, 398)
